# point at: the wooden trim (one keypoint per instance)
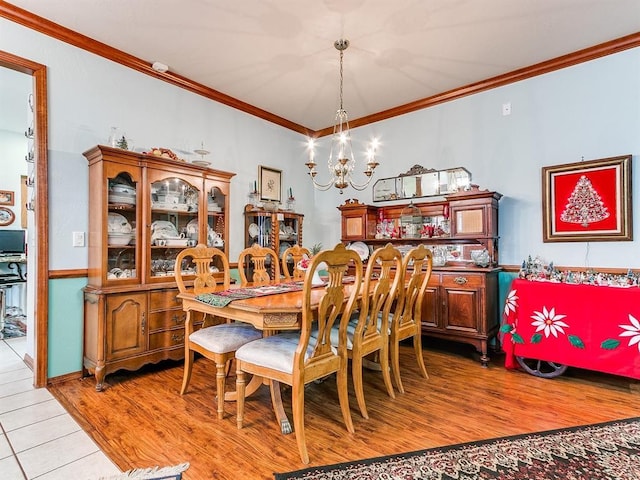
(47, 27)
(41, 308)
(64, 378)
(558, 63)
(75, 273)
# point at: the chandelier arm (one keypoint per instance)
(323, 187)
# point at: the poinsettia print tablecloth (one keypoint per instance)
(585, 326)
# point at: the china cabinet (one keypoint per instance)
(275, 229)
(462, 232)
(143, 210)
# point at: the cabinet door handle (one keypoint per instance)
(177, 319)
(143, 324)
(177, 338)
(460, 280)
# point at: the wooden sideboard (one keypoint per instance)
(462, 301)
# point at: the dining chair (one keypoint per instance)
(293, 254)
(258, 265)
(217, 342)
(368, 329)
(296, 358)
(406, 320)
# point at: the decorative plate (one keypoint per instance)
(118, 223)
(283, 247)
(201, 163)
(361, 249)
(254, 230)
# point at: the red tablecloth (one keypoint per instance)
(584, 326)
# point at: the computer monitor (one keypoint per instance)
(12, 242)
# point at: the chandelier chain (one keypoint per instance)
(341, 78)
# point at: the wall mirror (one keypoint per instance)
(421, 182)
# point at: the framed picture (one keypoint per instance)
(587, 201)
(7, 197)
(6, 216)
(270, 182)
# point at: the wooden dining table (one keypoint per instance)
(270, 313)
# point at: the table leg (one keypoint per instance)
(278, 408)
(251, 388)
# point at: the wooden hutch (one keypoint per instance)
(462, 299)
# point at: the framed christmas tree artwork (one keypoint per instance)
(587, 201)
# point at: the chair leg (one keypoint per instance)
(386, 375)
(356, 374)
(188, 365)
(240, 390)
(221, 375)
(343, 397)
(297, 403)
(417, 347)
(395, 364)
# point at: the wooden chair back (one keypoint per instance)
(258, 265)
(293, 254)
(384, 270)
(416, 266)
(337, 302)
(210, 265)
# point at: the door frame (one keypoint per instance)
(41, 163)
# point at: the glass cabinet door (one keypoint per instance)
(259, 226)
(174, 223)
(216, 228)
(289, 231)
(122, 229)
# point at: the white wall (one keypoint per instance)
(587, 111)
(88, 95)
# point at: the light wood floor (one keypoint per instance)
(141, 420)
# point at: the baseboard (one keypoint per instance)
(29, 361)
(64, 378)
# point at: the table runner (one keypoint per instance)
(225, 297)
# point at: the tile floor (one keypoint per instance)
(38, 438)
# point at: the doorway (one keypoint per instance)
(38, 254)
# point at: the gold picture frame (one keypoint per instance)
(587, 201)
(7, 197)
(270, 184)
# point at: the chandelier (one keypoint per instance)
(342, 163)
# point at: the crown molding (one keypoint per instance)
(47, 27)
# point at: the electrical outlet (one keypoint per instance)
(506, 108)
(78, 239)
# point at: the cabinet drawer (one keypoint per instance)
(166, 319)
(166, 339)
(462, 280)
(164, 299)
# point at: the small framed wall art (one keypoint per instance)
(7, 197)
(587, 201)
(270, 182)
(6, 216)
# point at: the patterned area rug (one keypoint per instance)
(605, 451)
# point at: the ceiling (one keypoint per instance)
(278, 55)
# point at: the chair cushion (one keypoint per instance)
(275, 352)
(226, 337)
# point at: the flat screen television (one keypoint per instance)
(12, 242)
